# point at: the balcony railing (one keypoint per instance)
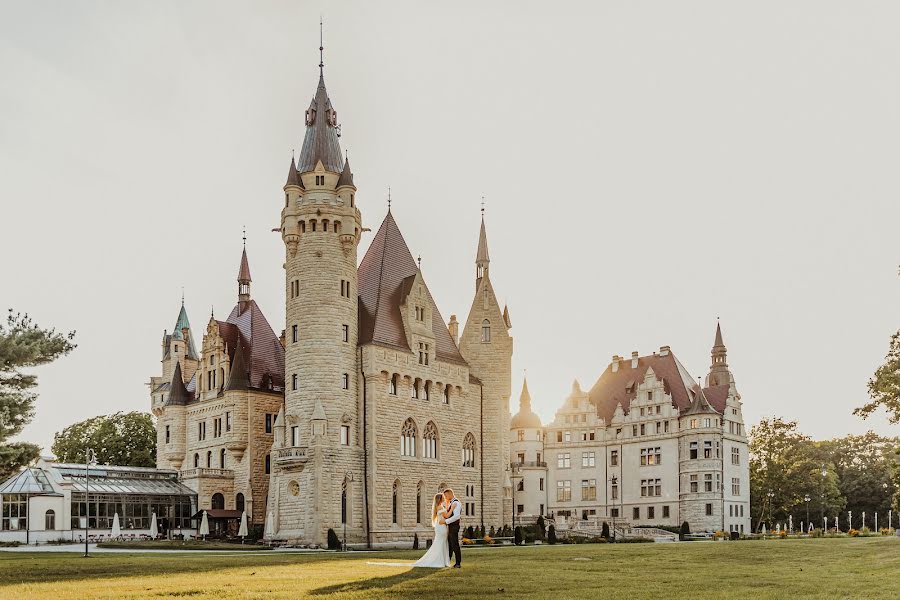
(207, 472)
(291, 455)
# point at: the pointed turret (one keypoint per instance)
(482, 258)
(183, 332)
(346, 177)
(718, 370)
(525, 418)
(321, 142)
(293, 178)
(178, 394)
(699, 405)
(244, 279)
(238, 378)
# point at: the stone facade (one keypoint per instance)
(668, 452)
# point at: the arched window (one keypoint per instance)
(430, 440)
(414, 391)
(218, 501)
(196, 460)
(209, 459)
(50, 520)
(485, 331)
(395, 503)
(446, 399)
(428, 390)
(222, 458)
(468, 453)
(239, 502)
(392, 387)
(408, 438)
(419, 489)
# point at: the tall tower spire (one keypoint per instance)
(718, 370)
(243, 277)
(321, 49)
(482, 258)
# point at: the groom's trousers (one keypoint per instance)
(453, 541)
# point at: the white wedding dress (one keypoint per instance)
(437, 557)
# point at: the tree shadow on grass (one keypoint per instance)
(373, 583)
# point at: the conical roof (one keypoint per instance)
(293, 177)
(525, 418)
(699, 404)
(719, 341)
(244, 272)
(483, 255)
(178, 394)
(321, 141)
(238, 378)
(181, 324)
(346, 177)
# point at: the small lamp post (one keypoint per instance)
(806, 499)
(90, 459)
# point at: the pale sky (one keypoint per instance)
(646, 167)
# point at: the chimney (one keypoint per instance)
(634, 360)
(454, 329)
(664, 350)
(615, 362)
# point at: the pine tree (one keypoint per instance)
(23, 345)
(604, 533)
(551, 535)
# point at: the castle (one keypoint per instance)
(368, 402)
(646, 445)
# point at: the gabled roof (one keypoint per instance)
(620, 387)
(27, 481)
(382, 273)
(248, 326)
(321, 140)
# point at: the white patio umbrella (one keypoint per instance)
(243, 530)
(116, 528)
(153, 529)
(204, 526)
(763, 529)
(270, 524)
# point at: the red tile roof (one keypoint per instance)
(612, 388)
(382, 274)
(263, 353)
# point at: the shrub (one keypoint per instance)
(469, 532)
(854, 532)
(415, 541)
(685, 530)
(635, 540)
(333, 542)
(518, 536)
(604, 532)
(551, 535)
(488, 540)
(542, 527)
(492, 533)
(467, 542)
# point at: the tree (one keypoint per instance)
(334, 542)
(785, 466)
(517, 536)
(415, 541)
(551, 535)
(604, 532)
(127, 439)
(863, 464)
(884, 386)
(23, 345)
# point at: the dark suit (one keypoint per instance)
(453, 536)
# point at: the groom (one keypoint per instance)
(454, 508)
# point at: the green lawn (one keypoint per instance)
(819, 568)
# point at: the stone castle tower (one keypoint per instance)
(384, 403)
(487, 346)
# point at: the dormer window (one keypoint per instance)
(423, 353)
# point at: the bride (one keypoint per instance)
(438, 556)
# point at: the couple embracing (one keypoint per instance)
(445, 512)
